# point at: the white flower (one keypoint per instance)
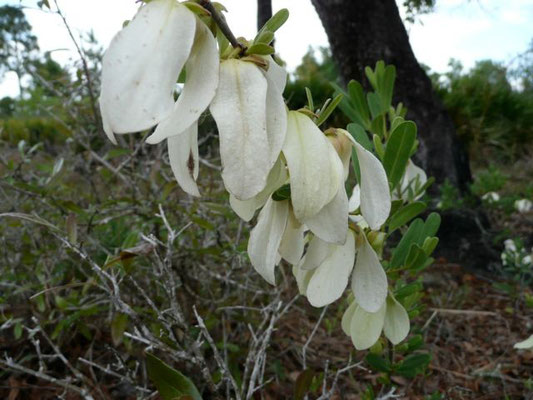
(139, 74)
(265, 247)
(365, 327)
(510, 245)
(375, 198)
(413, 179)
(332, 266)
(523, 205)
(142, 65)
(525, 345)
(251, 118)
(491, 197)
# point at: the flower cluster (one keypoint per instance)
(273, 160)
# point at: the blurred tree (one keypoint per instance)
(17, 42)
(362, 32)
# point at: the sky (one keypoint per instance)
(467, 30)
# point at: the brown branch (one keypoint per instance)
(222, 24)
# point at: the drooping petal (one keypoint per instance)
(265, 238)
(246, 208)
(184, 160)
(375, 194)
(142, 64)
(239, 109)
(397, 325)
(276, 114)
(346, 322)
(366, 327)
(276, 73)
(331, 278)
(315, 169)
(526, 344)
(317, 252)
(292, 244)
(355, 199)
(302, 278)
(199, 89)
(369, 282)
(414, 177)
(331, 222)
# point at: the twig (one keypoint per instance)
(463, 312)
(308, 342)
(221, 22)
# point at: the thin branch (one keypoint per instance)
(221, 22)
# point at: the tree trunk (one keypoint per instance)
(362, 32)
(264, 12)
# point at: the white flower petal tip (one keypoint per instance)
(315, 169)
(374, 186)
(331, 278)
(302, 278)
(292, 243)
(355, 199)
(366, 327)
(142, 64)
(184, 159)
(346, 321)
(277, 74)
(331, 222)
(413, 179)
(369, 281)
(266, 236)
(245, 209)
(397, 325)
(200, 86)
(491, 197)
(239, 109)
(525, 345)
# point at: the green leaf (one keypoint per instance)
(32, 218)
(385, 83)
(431, 226)
(274, 23)
(378, 145)
(283, 193)
(324, 114)
(118, 327)
(398, 151)
(303, 384)
(405, 214)
(170, 384)
(261, 49)
(309, 96)
(378, 363)
(407, 290)
(360, 135)
(430, 244)
(413, 365)
(399, 254)
(416, 257)
(374, 104)
(265, 37)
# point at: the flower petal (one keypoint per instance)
(331, 278)
(397, 324)
(276, 115)
(302, 278)
(375, 194)
(292, 244)
(200, 86)
(346, 321)
(142, 64)
(183, 156)
(315, 169)
(239, 109)
(317, 252)
(369, 281)
(355, 199)
(526, 344)
(331, 222)
(246, 208)
(265, 238)
(276, 73)
(366, 327)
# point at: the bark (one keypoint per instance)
(362, 32)
(264, 12)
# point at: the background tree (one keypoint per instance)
(17, 42)
(362, 32)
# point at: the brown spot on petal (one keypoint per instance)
(190, 164)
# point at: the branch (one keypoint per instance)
(222, 24)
